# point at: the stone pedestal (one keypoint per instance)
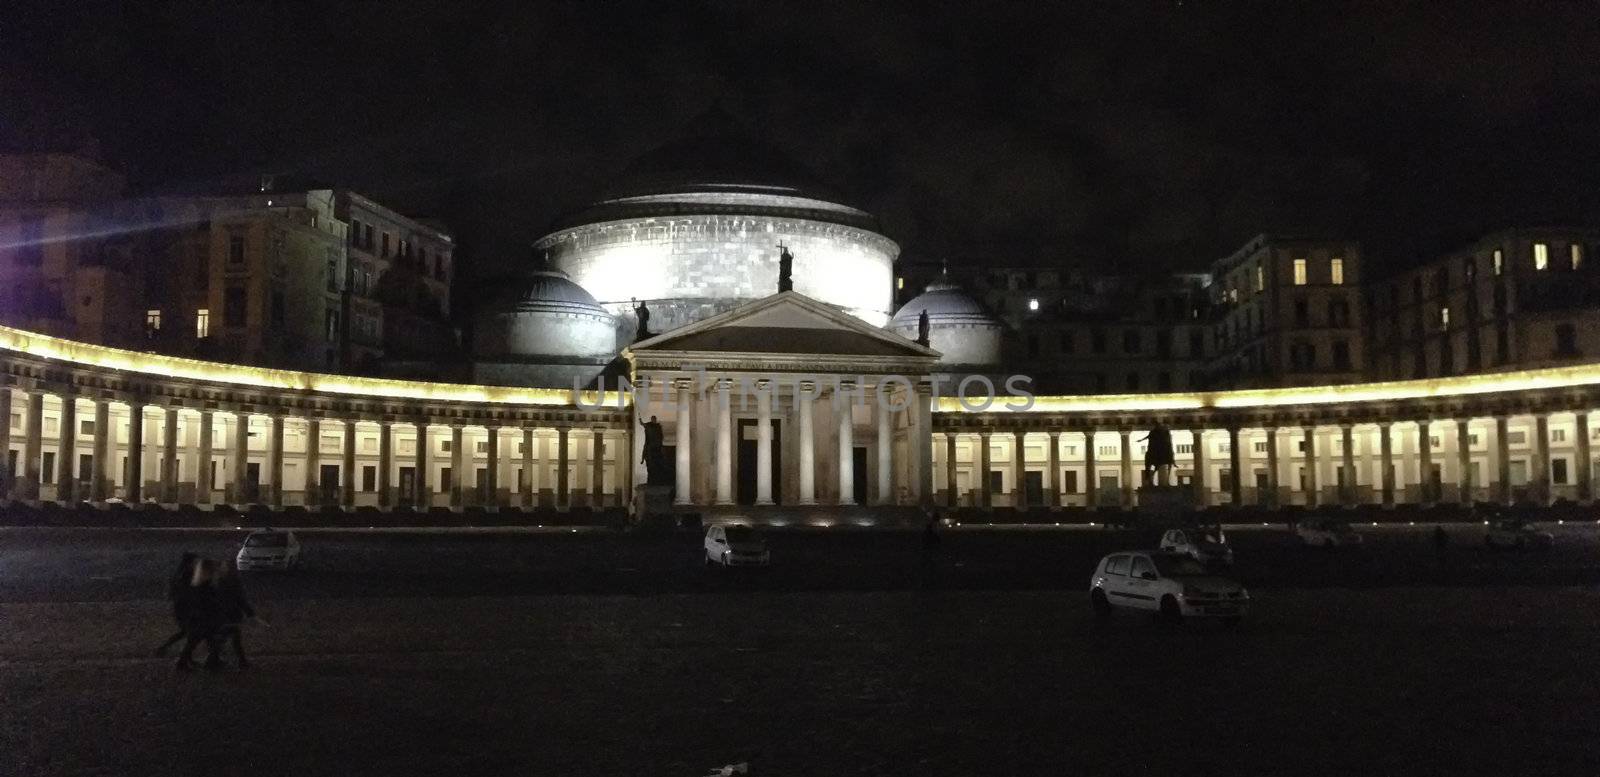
(652, 504)
(1165, 504)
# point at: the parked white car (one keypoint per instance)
(1327, 533)
(269, 549)
(736, 545)
(1517, 534)
(1208, 549)
(1171, 585)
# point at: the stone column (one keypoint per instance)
(1272, 469)
(563, 494)
(1386, 464)
(952, 497)
(985, 488)
(67, 450)
(885, 420)
(919, 444)
(169, 455)
(1126, 437)
(1235, 464)
(1584, 467)
(684, 455)
(1052, 479)
(804, 399)
(348, 492)
(133, 490)
(1197, 448)
(638, 473)
(203, 484)
(1019, 470)
(385, 463)
(763, 442)
(491, 479)
(1313, 491)
(1425, 462)
(1091, 495)
(239, 456)
(1349, 452)
(526, 486)
(724, 444)
(104, 444)
(275, 460)
(5, 438)
(844, 413)
(1541, 458)
(597, 476)
(458, 463)
(33, 446)
(422, 480)
(1503, 463)
(313, 486)
(1464, 453)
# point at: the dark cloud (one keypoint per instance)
(1120, 135)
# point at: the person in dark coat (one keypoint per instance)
(178, 594)
(234, 608)
(203, 616)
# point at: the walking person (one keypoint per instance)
(203, 617)
(234, 607)
(178, 595)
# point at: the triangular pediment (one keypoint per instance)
(787, 323)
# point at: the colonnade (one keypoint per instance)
(66, 447)
(1509, 457)
(818, 459)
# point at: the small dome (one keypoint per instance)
(543, 314)
(960, 328)
(551, 290)
(947, 305)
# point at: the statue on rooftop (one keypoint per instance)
(785, 269)
(922, 327)
(642, 312)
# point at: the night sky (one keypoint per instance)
(1119, 135)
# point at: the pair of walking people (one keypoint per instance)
(209, 604)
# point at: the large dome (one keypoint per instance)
(960, 328)
(694, 228)
(543, 314)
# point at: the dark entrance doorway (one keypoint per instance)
(746, 487)
(1034, 482)
(328, 484)
(858, 473)
(408, 486)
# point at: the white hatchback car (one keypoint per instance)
(1208, 549)
(1170, 585)
(269, 549)
(736, 545)
(1326, 533)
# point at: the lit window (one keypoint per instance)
(1299, 272)
(1336, 271)
(1261, 278)
(152, 320)
(1444, 317)
(1541, 256)
(1576, 254)
(202, 323)
(900, 283)
(1033, 304)
(1499, 261)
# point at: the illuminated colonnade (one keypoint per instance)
(1504, 437)
(210, 433)
(213, 433)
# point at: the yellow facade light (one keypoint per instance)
(1390, 391)
(157, 365)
